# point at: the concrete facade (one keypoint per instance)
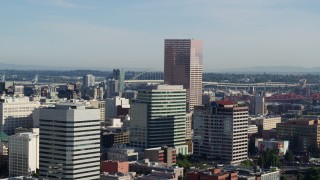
(16, 112)
(69, 142)
(23, 154)
(301, 134)
(221, 132)
(158, 118)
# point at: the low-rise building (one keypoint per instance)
(273, 175)
(213, 174)
(158, 175)
(149, 167)
(265, 122)
(120, 152)
(114, 167)
(117, 176)
(161, 154)
(280, 147)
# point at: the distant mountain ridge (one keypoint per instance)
(274, 69)
(255, 69)
(5, 66)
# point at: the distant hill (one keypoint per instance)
(5, 66)
(29, 67)
(256, 69)
(273, 69)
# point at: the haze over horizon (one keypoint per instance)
(130, 34)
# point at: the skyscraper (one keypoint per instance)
(158, 118)
(183, 66)
(88, 81)
(118, 74)
(221, 132)
(69, 142)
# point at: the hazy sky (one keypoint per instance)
(131, 33)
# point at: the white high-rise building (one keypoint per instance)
(69, 142)
(16, 112)
(158, 118)
(23, 154)
(221, 132)
(112, 104)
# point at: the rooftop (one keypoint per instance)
(226, 103)
(3, 136)
(302, 122)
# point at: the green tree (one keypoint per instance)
(313, 174)
(283, 178)
(269, 158)
(314, 151)
(300, 176)
(261, 161)
(247, 163)
(288, 157)
(184, 161)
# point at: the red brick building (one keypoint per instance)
(213, 174)
(113, 167)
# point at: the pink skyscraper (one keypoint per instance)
(183, 66)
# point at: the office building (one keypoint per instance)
(158, 118)
(116, 107)
(113, 88)
(110, 138)
(280, 147)
(150, 167)
(6, 87)
(189, 126)
(16, 112)
(163, 154)
(259, 104)
(221, 132)
(89, 80)
(301, 134)
(266, 122)
(69, 142)
(99, 105)
(23, 154)
(208, 96)
(120, 152)
(183, 66)
(118, 74)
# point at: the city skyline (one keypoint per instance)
(113, 34)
